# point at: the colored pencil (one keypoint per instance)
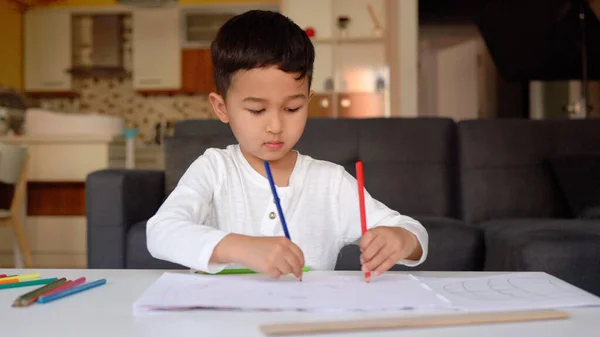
(19, 278)
(32, 296)
(238, 271)
(65, 286)
(28, 283)
(2, 275)
(10, 281)
(361, 200)
(276, 198)
(72, 291)
(277, 202)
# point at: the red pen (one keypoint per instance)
(361, 200)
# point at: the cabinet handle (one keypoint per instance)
(345, 103)
(149, 81)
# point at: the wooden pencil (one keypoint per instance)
(32, 296)
(361, 203)
(19, 278)
(28, 283)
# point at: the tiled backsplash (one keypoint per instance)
(116, 96)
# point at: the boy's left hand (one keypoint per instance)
(382, 247)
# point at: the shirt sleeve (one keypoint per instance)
(180, 231)
(377, 214)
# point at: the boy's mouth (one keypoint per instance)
(274, 145)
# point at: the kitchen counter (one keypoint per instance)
(28, 139)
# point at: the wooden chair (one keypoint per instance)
(14, 161)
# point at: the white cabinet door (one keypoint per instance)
(47, 50)
(156, 49)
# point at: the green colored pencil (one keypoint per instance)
(242, 271)
(28, 283)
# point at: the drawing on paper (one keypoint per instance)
(174, 291)
(507, 289)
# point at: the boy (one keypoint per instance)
(222, 210)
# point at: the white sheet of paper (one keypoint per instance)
(513, 291)
(173, 291)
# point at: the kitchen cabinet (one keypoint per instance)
(320, 105)
(156, 49)
(47, 51)
(197, 71)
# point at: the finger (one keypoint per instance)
(298, 253)
(385, 266)
(372, 249)
(295, 264)
(284, 266)
(377, 260)
(274, 273)
(366, 239)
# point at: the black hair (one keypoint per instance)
(260, 39)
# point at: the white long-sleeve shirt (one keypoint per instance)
(220, 193)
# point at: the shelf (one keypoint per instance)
(52, 94)
(349, 40)
(97, 71)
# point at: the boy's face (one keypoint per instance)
(267, 110)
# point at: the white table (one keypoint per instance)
(106, 311)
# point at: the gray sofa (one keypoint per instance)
(520, 182)
(485, 190)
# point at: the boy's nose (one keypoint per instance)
(275, 124)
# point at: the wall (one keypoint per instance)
(11, 46)
(451, 54)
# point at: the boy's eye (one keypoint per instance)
(256, 111)
(292, 109)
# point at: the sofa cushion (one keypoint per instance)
(334, 140)
(453, 246)
(503, 172)
(579, 180)
(181, 152)
(137, 255)
(410, 164)
(201, 128)
(504, 167)
(190, 140)
(566, 248)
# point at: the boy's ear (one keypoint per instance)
(310, 94)
(218, 105)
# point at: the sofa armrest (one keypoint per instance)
(115, 200)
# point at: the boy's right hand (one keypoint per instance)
(273, 256)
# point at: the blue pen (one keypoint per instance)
(277, 204)
(68, 292)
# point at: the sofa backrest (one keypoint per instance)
(505, 170)
(191, 138)
(409, 163)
